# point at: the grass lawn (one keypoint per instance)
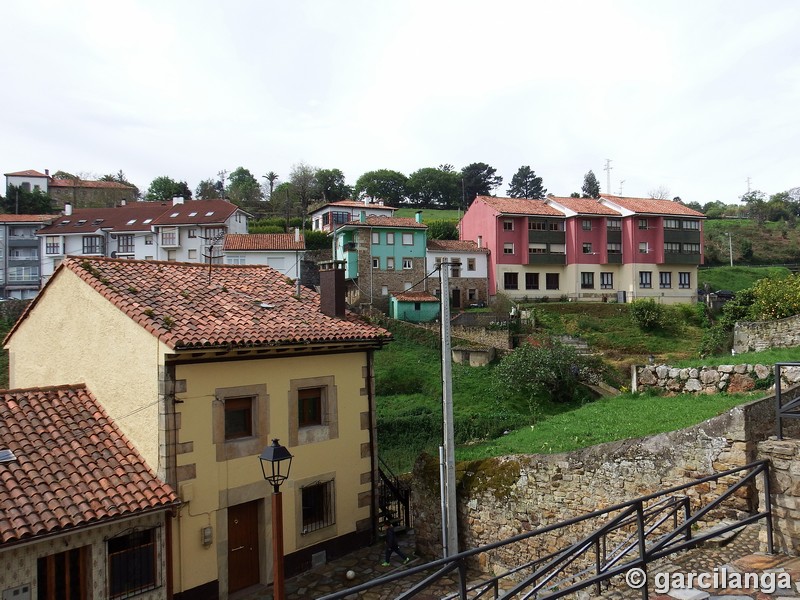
(606, 420)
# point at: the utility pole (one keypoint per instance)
(449, 501)
(607, 169)
(620, 187)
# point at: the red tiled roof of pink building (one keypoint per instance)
(190, 305)
(520, 206)
(73, 466)
(653, 206)
(585, 206)
(263, 241)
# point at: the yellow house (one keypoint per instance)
(201, 366)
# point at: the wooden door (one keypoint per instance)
(456, 293)
(243, 551)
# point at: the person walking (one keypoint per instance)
(392, 545)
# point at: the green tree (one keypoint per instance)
(119, 177)
(756, 206)
(434, 188)
(479, 180)
(442, 229)
(64, 175)
(166, 188)
(590, 187)
(285, 202)
(694, 206)
(331, 186)
(383, 184)
(525, 184)
(22, 202)
(209, 189)
(243, 189)
(647, 314)
(775, 298)
(304, 180)
(534, 373)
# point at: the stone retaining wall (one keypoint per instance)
(784, 483)
(506, 496)
(754, 336)
(711, 380)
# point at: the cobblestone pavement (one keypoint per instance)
(724, 564)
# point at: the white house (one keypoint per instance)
(469, 270)
(329, 216)
(281, 251)
(189, 231)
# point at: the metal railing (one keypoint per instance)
(641, 531)
(394, 498)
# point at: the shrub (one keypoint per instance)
(648, 315)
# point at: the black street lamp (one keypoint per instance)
(273, 459)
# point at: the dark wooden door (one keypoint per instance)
(243, 552)
(456, 293)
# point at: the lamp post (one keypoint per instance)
(272, 460)
(730, 246)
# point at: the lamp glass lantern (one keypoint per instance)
(276, 462)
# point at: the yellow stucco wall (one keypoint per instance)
(74, 335)
(217, 484)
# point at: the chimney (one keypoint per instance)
(366, 201)
(332, 288)
(123, 202)
(296, 234)
(177, 200)
(47, 172)
(67, 209)
(418, 216)
(480, 241)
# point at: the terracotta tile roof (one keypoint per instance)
(199, 212)
(236, 242)
(28, 173)
(415, 297)
(455, 246)
(585, 206)
(82, 183)
(190, 305)
(27, 218)
(520, 206)
(355, 204)
(379, 221)
(73, 466)
(653, 206)
(130, 217)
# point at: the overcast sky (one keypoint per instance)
(691, 96)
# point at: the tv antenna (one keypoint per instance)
(210, 255)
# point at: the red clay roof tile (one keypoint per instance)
(27, 173)
(455, 246)
(235, 242)
(520, 206)
(64, 445)
(585, 206)
(653, 206)
(380, 221)
(415, 297)
(190, 305)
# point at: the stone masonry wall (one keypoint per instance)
(754, 336)
(711, 380)
(506, 496)
(784, 482)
